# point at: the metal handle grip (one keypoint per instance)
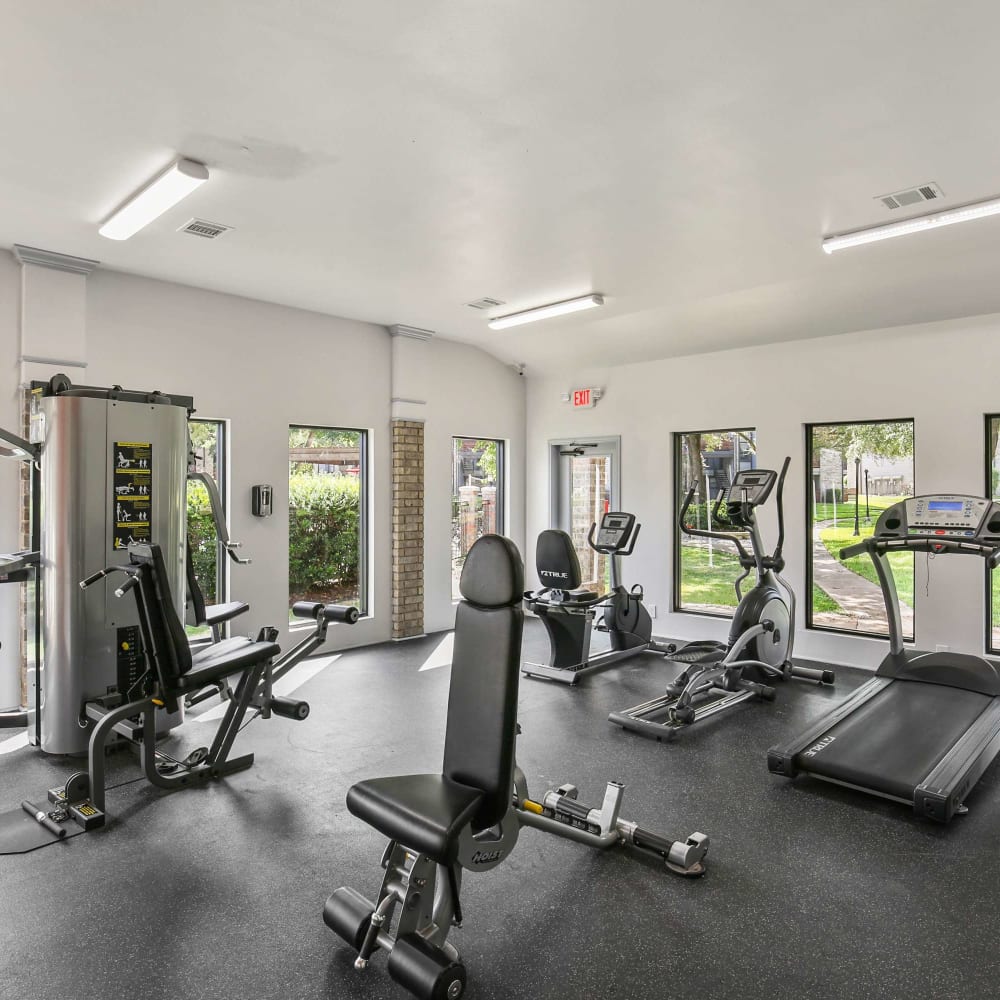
(126, 586)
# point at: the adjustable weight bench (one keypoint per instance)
(467, 818)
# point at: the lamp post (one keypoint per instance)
(868, 511)
(857, 495)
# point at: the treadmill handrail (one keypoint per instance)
(954, 544)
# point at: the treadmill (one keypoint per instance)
(927, 726)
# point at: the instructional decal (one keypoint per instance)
(132, 503)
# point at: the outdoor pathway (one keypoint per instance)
(860, 599)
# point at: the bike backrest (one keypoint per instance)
(556, 561)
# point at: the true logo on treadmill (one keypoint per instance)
(816, 747)
(486, 857)
(552, 572)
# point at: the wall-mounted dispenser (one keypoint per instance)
(260, 500)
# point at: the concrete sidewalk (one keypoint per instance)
(860, 599)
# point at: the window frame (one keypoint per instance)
(988, 646)
(501, 444)
(808, 467)
(364, 553)
(222, 574)
(677, 569)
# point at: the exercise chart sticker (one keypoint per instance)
(132, 503)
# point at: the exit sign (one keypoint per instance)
(583, 399)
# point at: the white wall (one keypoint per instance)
(261, 367)
(469, 394)
(942, 374)
(10, 418)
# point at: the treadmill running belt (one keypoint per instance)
(891, 743)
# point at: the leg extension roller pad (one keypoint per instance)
(425, 970)
(348, 914)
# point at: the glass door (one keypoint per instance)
(585, 475)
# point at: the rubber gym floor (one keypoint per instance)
(812, 891)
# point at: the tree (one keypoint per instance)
(885, 440)
(693, 447)
(488, 460)
(303, 438)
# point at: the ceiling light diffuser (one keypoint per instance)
(967, 213)
(546, 312)
(151, 201)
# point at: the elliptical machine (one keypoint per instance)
(568, 613)
(759, 648)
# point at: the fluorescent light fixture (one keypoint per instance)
(967, 213)
(161, 193)
(545, 312)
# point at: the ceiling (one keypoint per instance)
(392, 161)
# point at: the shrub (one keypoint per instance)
(202, 540)
(323, 531)
(323, 526)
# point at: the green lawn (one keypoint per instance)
(845, 511)
(703, 584)
(822, 601)
(901, 562)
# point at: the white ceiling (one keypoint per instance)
(404, 158)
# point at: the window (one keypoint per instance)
(477, 476)
(705, 570)
(208, 440)
(327, 516)
(993, 490)
(855, 470)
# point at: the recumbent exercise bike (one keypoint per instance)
(568, 613)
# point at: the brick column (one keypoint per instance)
(407, 528)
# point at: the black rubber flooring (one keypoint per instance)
(812, 891)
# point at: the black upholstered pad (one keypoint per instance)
(424, 812)
(224, 658)
(556, 561)
(215, 614)
(493, 574)
(892, 742)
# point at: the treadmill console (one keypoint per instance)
(756, 483)
(615, 530)
(941, 514)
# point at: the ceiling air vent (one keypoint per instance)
(206, 230)
(485, 303)
(911, 196)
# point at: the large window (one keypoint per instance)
(476, 498)
(856, 470)
(705, 570)
(993, 490)
(327, 507)
(208, 445)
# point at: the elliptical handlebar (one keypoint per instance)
(779, 499)
(708, 533)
